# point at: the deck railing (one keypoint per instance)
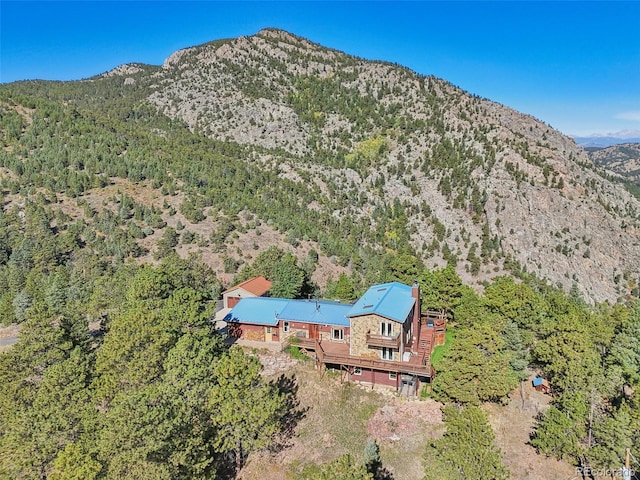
(303, 342)
(383, 340)
(422, 368)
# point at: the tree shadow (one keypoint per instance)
(225, 466)
(383, 474)
(289, 413)
(375, 468)
(292, 413)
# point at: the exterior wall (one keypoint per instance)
(371, 323)
(255, 333)
(359, 328)
(235, 293)
(302, 330)
(375, 377)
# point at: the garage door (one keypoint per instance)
(232, 301)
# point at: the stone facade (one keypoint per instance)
(371, 323)
(255, 333)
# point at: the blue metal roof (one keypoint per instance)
(316, 311)
(390, 300)
(257, 310)
(537, 381)
(267, 311)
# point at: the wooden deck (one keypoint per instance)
(335, 353)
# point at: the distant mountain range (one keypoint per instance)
(622, 161)
(602, 141)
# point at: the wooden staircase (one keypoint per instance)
(425, 345)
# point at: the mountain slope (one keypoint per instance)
(619, 160)
(493, 177)
(360, 157)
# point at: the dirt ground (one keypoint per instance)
(340, 417)
(512, 425)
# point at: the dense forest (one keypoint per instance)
(119, 372)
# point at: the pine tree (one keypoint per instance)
(466, 450)
(476, 368)
(246, 412)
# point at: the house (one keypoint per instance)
(382, 339)
(254, 287)
(278, 320)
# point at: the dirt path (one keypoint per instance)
(8, 336)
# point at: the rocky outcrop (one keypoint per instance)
(478, 182)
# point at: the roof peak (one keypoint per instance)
(256, 285)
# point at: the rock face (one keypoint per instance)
(475, 182)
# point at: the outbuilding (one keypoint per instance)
(254, 287)
(541, 385)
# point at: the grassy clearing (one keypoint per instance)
(337, 419)
(438, 352)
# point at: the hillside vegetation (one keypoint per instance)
(357, 157)
(620, 161)
(131, 199)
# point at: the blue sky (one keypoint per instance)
(575, 65)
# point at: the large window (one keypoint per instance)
(386, 353)
(386, 329)
(337, 334)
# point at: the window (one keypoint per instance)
(393, 376)
(268, 329)
(337, 334)
(285, 327)
(386, 329)
(357, 371)
(386, 353)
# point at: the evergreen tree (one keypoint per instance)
(476, 368)
(467, 449)
(341, 289)
(47, 415)
(247, 412)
